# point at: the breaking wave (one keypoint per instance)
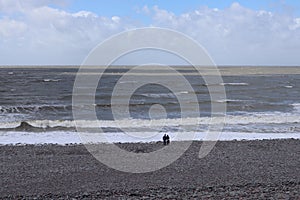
(257, 118)
(32, 108)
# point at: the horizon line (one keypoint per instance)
(125, 65)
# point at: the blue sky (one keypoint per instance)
(240, 32)
(128, 8)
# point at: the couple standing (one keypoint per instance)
(166, 139)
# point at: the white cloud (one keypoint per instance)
(9, 6)
(45, 35)
(295, 25)
(238, 35)
(11, 28)
(33, 33)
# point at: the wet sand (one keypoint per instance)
(245, 169)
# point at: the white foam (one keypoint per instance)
(184, 92)
(235, 84)
(265, 118)
(296, 107)
(228, 100)
(73, 137)
(65, 137)
(51, 80)
(158, 95)
(39, 138)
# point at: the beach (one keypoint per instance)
(233, 169)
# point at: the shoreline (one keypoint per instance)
(141, 142)
(65, 138)
(247, 169)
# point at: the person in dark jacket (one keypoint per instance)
(165, 139)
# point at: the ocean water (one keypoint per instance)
(36, 107)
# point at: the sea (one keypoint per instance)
(37, 106)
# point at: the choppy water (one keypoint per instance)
(256, 104)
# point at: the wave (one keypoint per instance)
(32, 108)
(34, 127)
(51, 80)
(265, 118)
(296, 107)
(228, 101)
(235, 84)
(224, 84)
(158, 95)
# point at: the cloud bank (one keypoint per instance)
(35, 33)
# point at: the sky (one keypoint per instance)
(63, 32)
